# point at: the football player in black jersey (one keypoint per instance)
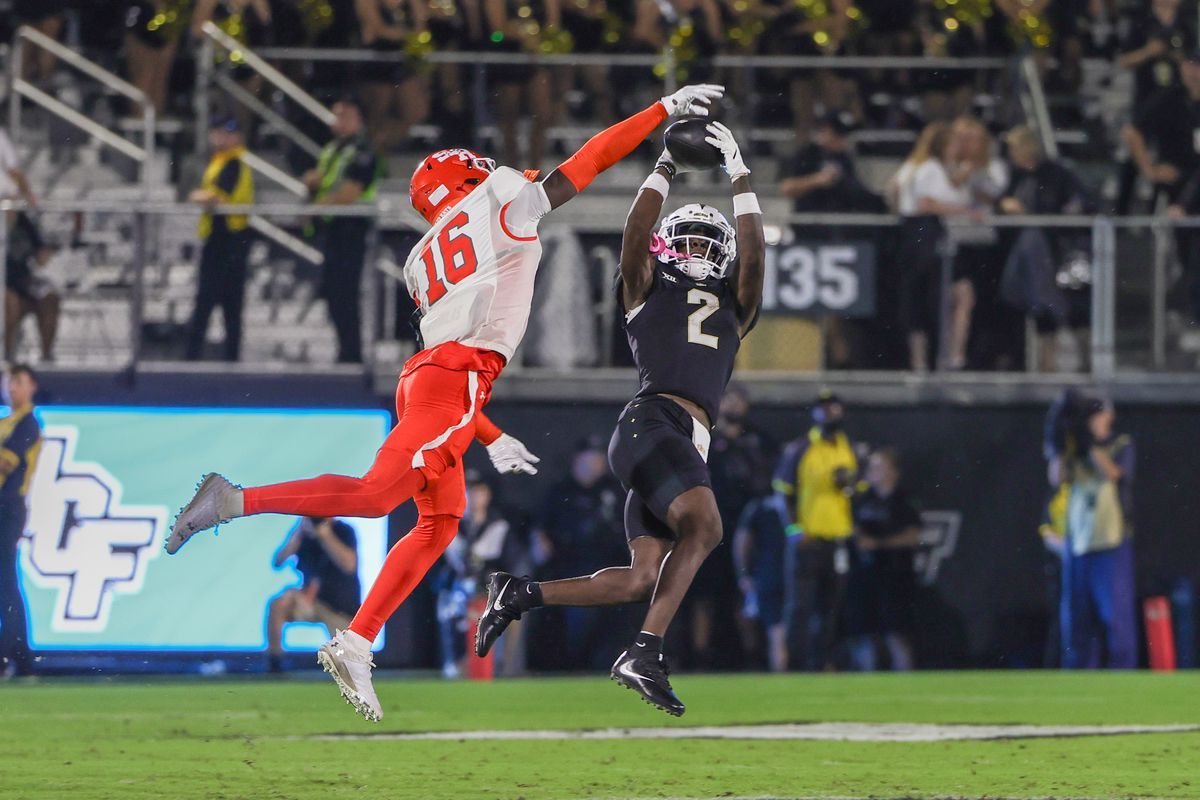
(686, 308)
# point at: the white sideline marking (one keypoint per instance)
(817, 731)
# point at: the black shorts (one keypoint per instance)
(655, 454)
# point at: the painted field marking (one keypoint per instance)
(817, 731)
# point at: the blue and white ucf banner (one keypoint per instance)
(107, 484)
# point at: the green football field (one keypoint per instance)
(202, 738)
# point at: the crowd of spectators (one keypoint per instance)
(154, 36)
(957, 289)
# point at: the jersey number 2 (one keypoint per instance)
(709, 305)
(457, 254)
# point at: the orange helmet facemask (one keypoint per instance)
(444, 178)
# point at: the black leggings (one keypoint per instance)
(14, 621)
(920, 264)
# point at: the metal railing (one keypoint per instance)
(1036, 109)
(207, 75)
(19, 87)
(1108, 285)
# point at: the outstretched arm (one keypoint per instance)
(637, 269)
(750, 240)
(612, 144)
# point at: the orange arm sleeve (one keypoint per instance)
(486, 431)
(611, 145)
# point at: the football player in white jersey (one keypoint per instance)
(472, 278)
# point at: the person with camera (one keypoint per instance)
(1097, 604)
(326, 553)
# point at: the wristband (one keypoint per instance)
(746, 203)
(660, 184)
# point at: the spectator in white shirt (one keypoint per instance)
(917, 251)
(963, 185)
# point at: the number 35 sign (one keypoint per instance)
(820, 278)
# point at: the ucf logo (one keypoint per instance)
(83, 541)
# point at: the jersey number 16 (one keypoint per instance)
(457, 257)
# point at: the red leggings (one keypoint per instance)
(421, 458)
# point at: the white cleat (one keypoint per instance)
(350, 665)
(202, 513)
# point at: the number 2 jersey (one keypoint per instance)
(684, 337)
(472, 274)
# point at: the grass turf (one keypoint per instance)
(247, 739)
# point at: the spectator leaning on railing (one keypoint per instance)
(1048, 270)
(815, 479)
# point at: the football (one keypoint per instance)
(684, 140)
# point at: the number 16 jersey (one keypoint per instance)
(472, 274)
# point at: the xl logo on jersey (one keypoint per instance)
(82, 541)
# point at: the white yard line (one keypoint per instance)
(819, 731)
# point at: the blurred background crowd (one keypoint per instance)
(828, 559)
(950, 136)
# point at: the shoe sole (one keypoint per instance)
(480, 650)
(621, 682)
(196, 498)
(361, 706)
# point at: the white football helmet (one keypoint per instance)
(698, 241)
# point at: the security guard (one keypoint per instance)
(816, 479)
(226, 238)
(347, 172)
(20, 442)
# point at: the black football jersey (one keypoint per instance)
(684, 337)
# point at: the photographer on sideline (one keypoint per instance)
(326, 552)
(1097, 606)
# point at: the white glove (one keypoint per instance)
(509, 455)
(721, 138)
(693, 99)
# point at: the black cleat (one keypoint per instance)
(502, 608)
(647, 676)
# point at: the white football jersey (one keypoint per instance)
(472, 273)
